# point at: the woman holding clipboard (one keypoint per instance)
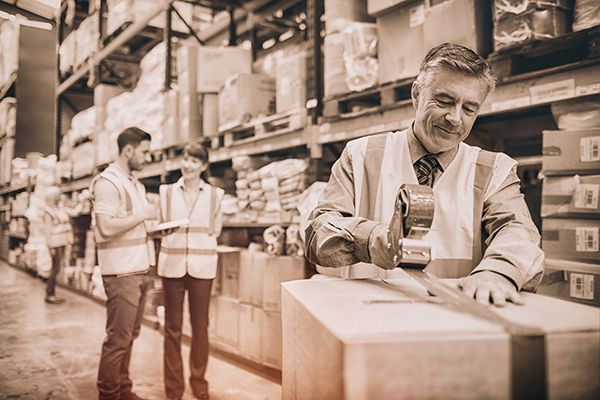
(188, 261)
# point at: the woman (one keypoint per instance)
(188, 261)
(59, 235)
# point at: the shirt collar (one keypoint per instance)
(417, 151)
(181, 185)
(121, 171)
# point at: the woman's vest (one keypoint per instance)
(131, 251)
(61, 231)
(382, 163)
(191, 249)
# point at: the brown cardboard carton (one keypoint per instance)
(210, 114)
(401, 46)
(250, 331)
(227, 324)
(291, 82)
(571, 239)
(357, 339)
(272, 339)
(571, 196)
(571, 152)
(279, 269)
(246, 96)
(473, 31)
(229, 264)
(252, 265)
(334, 78)
(215, 65)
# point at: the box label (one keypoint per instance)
(416, 16)
(510, 104)
(589, 149)
(586, 196)
(584, 90)
(582, 286)
(586, 239)
(552, 91)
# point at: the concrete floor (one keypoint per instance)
(52, 352)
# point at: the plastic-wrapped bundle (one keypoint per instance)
(576, 114)
(9, 49)
(274, 237)
(82, 125)
(8, 116)
(586, 15)
(510, 8)
(293, 241)
(86, 39)
(67, 53)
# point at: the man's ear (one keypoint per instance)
(128, 151)
(415, 92)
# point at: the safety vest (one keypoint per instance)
(382, 163)
(191, 249)
(131, 251)
(61, 231)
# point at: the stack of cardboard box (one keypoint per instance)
(571, 210)
(408, 29)
(247, 312)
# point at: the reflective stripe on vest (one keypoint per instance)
(169, 212)
(184, 251)
(113, 244)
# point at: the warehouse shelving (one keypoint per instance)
(8, 85)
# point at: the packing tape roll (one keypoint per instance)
(418, 204)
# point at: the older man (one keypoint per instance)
(482, 229)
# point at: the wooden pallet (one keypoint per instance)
(382, 96)
(539, 55)
(271, 125)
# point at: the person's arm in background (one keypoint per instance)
(335, 236)
(219, 213)
(512, 247)
(106, 203)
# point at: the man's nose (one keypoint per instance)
(148, 158)
(453, 116)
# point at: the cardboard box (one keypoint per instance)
(354, 339)
(272, 339)
(245, 96)
(571, 152)
(210, 114)
(171, 120)
(473, 31)
(227, 324)
(571, 196)
(252, 266)
(229, 264)
(279, 269)
(291, 83)
(334, 68)
(581, 286)
(401, 46)
(216, 64)
(350, 10)
(250, 331)
(571, 239)
(379, 7)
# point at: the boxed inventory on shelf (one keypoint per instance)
(216, 64)
(252, 276)
(250, 332)
(539, 23)
(272, 339)
(210, 114)
(290, 81)
(571, 195)
(572, 151)
(279, 269)
(245, 96)
(363, 353)
(86, 39)
(572, 281)
(406, 33)
(571, 239)
(227, 323)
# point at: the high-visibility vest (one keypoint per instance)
(131, 251)
(382, 163)
(191, 249)
(61, 231)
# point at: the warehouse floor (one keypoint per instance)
(52, 352)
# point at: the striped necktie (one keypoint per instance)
(425, 168)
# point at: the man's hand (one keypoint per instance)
(487, 284)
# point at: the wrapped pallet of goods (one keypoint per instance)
(9, 49)
(244, 97)
(86, 39)
(586, 14)
(518, 21)
(67, 53)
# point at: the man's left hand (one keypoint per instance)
(488, 286)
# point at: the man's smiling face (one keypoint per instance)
(447, 104)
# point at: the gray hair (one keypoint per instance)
(457, 58)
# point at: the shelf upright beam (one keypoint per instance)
(314, 13)
(232, 26)
(167, 38)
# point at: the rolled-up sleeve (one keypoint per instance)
(511, 238)
(335, 236)
(105, 198)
